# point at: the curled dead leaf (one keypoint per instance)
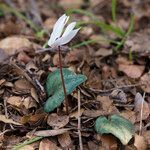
(138, 103)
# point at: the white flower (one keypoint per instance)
(58, 37)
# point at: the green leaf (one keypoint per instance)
(116, 125)
(54, 87)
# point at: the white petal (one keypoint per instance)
(69, 28)
(67, 38)
(58, 28)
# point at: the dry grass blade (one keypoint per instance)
(46, 133)
(79, 121)
(141, 114)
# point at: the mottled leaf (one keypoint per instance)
(54, 87)
(116, 125)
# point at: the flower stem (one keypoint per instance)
(62, 78)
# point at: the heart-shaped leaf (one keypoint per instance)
(116, 125)
(54, 87)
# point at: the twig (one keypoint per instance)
(2, 133)
(62, 78)
(141, 114)
(79, 121)
(64, 49)
(148, 125)
(110, 90)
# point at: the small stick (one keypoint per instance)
(62, 78)
(141, 114)
(79, 121)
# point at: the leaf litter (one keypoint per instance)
(115, 81)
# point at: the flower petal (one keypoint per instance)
(67, 38)
(58, 28)
(69, 28)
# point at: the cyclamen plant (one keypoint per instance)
(59, 38)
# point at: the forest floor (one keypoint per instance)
(112, 49)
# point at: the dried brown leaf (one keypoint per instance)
(34, 94)
(14, 101)
(28, 102)
(23, 85)
(94, 113)
(140, 142)
(65, 140)
(146, 135)
(32, 119)
(132, 71)
(108, 142)
(137, 44)
(106, 103)
(145, 79)
(46, 144)
(22, 56)
(12, 45)
(56, 121)
(138, 103)
(18, 102)
(129, 115)
(75, 114)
